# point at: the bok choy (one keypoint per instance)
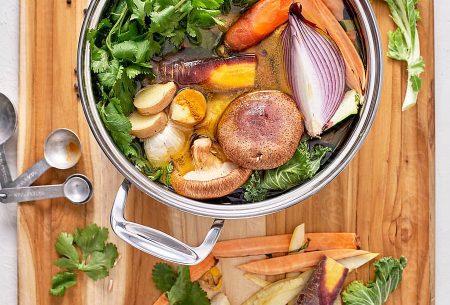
(301, 167)
(404, 45)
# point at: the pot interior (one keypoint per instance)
(344, 139)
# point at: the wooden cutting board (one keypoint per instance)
(386, 194)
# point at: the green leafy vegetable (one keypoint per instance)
(122, 45)
(303, 166)
(388, 276)
(61, 281)
(178, 286)
(163, 276)
(97, 256)
(253, 190)
(404, 45)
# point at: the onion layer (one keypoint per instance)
(315, 71)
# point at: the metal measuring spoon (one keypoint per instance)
(8, 124)
(62, 150)
(77, 188)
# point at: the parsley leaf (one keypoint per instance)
(97, 256)
(61, 281)
(163, 276)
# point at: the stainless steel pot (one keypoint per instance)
(166, 247)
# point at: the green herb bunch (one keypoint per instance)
(85, 250)
(178, 286)
(122, 46)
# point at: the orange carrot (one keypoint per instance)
(280, 244)
(257, 23)
(196, 272)
(328, 241)
(266, 15)
(337, 7)
(319, 14)
(295, 262)
(162, 300)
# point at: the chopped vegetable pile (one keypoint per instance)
(97, 257)
(133, 32)
(315, 275)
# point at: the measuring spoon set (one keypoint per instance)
(62, 150)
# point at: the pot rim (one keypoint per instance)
(374, 55)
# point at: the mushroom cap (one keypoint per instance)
(215, 188)
(261, 129)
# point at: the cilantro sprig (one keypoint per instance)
(178, 286)
(122, 46)
(94, 257)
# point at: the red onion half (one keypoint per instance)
(315, 71)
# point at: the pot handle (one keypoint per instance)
(158, 243)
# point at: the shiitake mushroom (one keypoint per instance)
(260, 130)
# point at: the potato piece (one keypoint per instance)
(145, 126)
(188, 107)
(154, 98)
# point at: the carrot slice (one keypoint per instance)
(257, 23)
(296, 262)
(280, 243)
(162, 300)
(319, 14)
(196, 272)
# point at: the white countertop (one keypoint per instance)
(9, 59)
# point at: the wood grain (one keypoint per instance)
(386, 194)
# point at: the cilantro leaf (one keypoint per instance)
(118, 125)
(134, 70)
(137, 7)
(99, 60)
(61, 281)
(182, 286)
(163, 276)
(134, 51)
(124, 90)
(97, 256)
(111, 74)
(100, 262)
(91, 238)
(196, 296)
(64, 246)
(388, 276)
(207, 4)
